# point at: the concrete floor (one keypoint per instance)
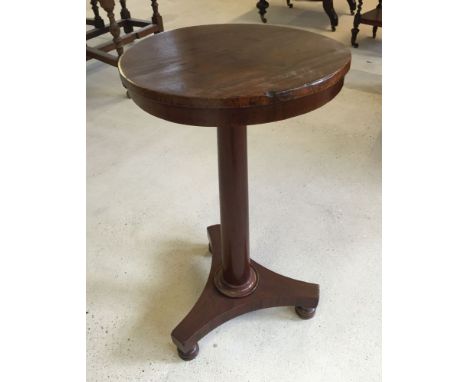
(315, 211)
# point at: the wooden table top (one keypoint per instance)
(262, 72)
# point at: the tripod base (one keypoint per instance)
(213, 308)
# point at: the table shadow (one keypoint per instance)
(166, 300)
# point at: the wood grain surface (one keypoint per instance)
(232, 66)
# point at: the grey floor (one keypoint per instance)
(315, 212)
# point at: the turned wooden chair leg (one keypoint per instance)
(352, 6)
(125, 15)
(357, 21)
(108, 6)
(330, 11)
(288, 2)
(98, 21)
(156, 18)
(262, 5)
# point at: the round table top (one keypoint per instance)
(240, 73)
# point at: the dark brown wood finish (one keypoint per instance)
(351, 3)
(213, 309)
(97, 21)
(373, 17)
(233, 191)
(262, 6)
(236, 278)
(230, 76)
(125, 15)
(216, 75)
(330, 11)
(352, 6)
(156, 19)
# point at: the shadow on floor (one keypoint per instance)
(166, 301)
(186, 267)
(364, 81)
(367, 44)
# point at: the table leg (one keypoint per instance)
(262, 5)
(236, 277)
(330, 11)
(236, 284)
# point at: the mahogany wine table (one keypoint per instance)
(230, 76)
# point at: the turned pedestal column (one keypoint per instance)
(236, 277)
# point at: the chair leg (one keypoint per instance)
(156, 18)
(354, 33)
(288, 2)
(357, 21)
(262, 5)
(125, 15)
(108, 6)
(98, 21)
(352, 6)
(374, 31)
(330, 11)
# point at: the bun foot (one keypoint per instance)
(191, 354)
(305, 313)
